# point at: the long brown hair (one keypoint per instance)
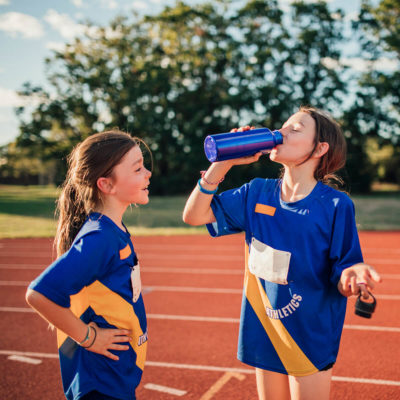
(328, 130)
(93, 158)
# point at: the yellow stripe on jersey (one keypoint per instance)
(264, 209)
(114, 309)
(125, 252)
(290, 354)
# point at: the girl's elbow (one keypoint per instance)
(188, 219)
(30, 297)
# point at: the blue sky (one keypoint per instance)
(30, 29)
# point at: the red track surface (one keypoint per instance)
(187, 280)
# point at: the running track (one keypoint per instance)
(192, 293)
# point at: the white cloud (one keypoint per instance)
(139, 5)
(15, 23)
(57, 46)
(4, 2)
(9, 126)
(77, 3)
(63, 24)
(10, 98)
(110, 4)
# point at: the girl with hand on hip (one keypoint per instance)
(92, 292)
(303, 257)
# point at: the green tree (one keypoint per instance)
(376, 111)
(189, 71)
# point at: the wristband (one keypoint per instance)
(202, 173)
(205, 191)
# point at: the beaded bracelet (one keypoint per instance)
(205, 191)
(202, 173)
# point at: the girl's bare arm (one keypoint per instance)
(63, 319)
(198, 206)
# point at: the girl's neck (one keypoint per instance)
(112, 212)
(297, 183)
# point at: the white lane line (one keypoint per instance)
(23, 266)
(165, 389)
(28, 360)
(17, 309)
(205, 256)
(158, 270)
(193, 318)
(201, 271)
(388, 296)
(364, 380)
(28, 354)
(383, 250)
(390, 276)
(383, 261)
(20, 253)
(153, 288)
(210, 368)
(14, 283)
(194, 289)
(372, 328)
(225, 320)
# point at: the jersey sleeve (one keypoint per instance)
(345, 249)
(229, 210)
(81, 265)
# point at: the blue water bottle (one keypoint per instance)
(225, 146)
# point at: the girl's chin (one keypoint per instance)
(142, 201)
(273, 155)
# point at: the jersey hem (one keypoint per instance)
(284, 371)
(103, 390)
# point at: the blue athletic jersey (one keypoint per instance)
(292, 312)
(93, 279)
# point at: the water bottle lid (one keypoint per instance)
(210, 148)
(278, 137)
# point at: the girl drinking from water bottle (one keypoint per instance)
(92, 292)
(303, 257)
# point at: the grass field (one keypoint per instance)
(28, 211)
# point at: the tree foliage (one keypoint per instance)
(376, 110)
(190, 71)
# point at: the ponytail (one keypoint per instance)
(71, 216)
